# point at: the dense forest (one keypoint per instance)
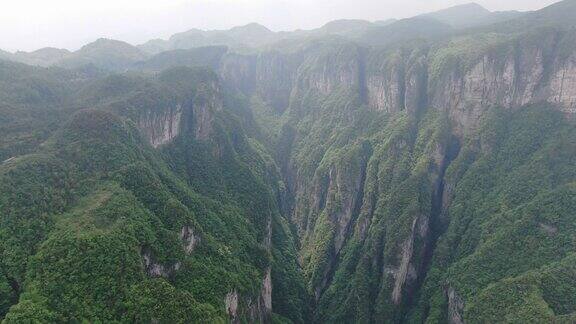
(411, 171)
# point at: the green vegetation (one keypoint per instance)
(510, 220)
(372, 184)
(92, 223)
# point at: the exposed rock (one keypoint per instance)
(155, 269)
(188, 239)
(266, 293)
(274, 78)
(407, 271)
(258, 310)
(522, 76)
(455, 307)
(231, 302)
(562, 89)
(325, 72)
(337, 192)
(206, 104)
(161, 127)
(385, 88)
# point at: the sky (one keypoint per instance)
(32, 24)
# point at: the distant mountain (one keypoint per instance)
(471, 15)
(560, 14)
(404, 30)
(251, 35)
(209, 56)
(345, 27)
(42, 57)
(105, 53)
(462, 15)
(385, 22)
(257, 36)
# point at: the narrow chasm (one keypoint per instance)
(359, 200)
(438, 213)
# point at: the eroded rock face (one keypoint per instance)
(189, 240)
(266, 293)
(455, 307)
(524, 74)
(407, 273)
(231, 302)
(323, 72)
(274, 78)
(208, 101)
(397, 84)
(161, 127)
(492, 81)
(527, 74)
(155, 269)
(385, 90)
(562, 88)
(336, 193)
(257, 310)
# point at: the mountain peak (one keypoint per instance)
(106, 44)
(462, 15)
(339, 24)
(471, 8)
(252, 27)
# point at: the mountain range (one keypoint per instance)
(404, 171)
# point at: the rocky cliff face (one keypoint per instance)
(509, 74)
(397, 81)
(337, 202)
(162, 127)
(193, 116)
(528, 71)
(383, 199)
(330, 206)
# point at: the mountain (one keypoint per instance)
(385, 22)
(254, 36)
(471, 15)
(345, 27)
(461, 16)
(104, 53)
(555, 15)
(209, 56)
(43, 57)
(251, 35)
(124, 204)
(405, 30)
(408, 173)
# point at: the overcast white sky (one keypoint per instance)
(32, 24)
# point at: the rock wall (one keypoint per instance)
(161, 128)
(511, 74)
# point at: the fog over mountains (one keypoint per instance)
(254, 36)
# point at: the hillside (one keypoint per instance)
(140, 211)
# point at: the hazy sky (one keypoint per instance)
(32, 24)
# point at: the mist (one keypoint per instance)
(32, 24)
